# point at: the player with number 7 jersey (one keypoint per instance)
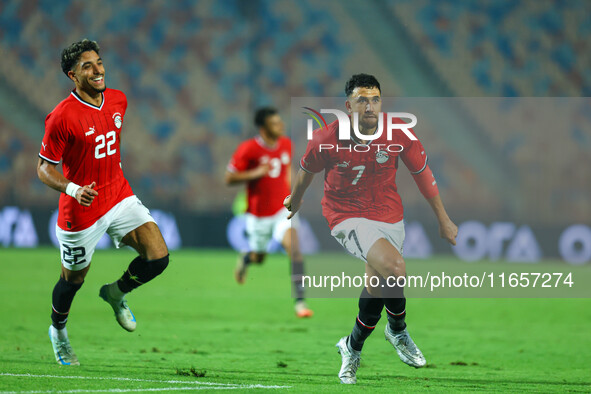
(360, 178)
(364, 212)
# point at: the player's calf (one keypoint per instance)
(395, 303)
(141, 271)
(370, 311)
(61, 301)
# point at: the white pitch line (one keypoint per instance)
(210, 385)
(193, 388)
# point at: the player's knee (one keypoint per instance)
(296, 255)
(394, 266)
(161, 253)
(157, 266)
(75, 277)
(70, 285)
(257, 257)
(156, 251)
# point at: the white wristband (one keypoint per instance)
(71, 189)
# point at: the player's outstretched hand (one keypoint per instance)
(291, 206)
(448, 231)
(86, 194)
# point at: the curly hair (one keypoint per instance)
(71, 54)
(361, 81)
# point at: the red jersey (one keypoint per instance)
(87, 139)
(360, 180)
(266, 194)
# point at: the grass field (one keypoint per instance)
(197, 329)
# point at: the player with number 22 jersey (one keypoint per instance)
(84, 133)
(87, 139)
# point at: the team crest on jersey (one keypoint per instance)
(117, 119)
(382, 156)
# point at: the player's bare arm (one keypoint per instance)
(294, 201)
(48, 174)
(235, 178)
(428, 188)
(447, 229)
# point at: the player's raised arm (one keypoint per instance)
(48, 174)
(301, 183)
(428, 187)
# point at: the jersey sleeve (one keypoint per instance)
(240, 159)
(313, 160)
(414, 156)
(54, 140)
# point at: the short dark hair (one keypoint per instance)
(71, 54)
(261, 115)
(361, 81)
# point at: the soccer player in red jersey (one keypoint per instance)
(84, 132)
(264, 163)
(365, 215)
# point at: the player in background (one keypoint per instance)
(84, 132)
(264, 164)
(365, 215)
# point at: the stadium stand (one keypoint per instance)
(193, 73)
(539, 51)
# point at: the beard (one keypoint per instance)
(100, 90)
(91, 89)
(368, 123)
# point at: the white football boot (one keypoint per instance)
(111, 294)
(351, 359)
(408, 352)
(64, 355)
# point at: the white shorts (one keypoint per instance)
(260, 230)
(77, 247)
(357, 235)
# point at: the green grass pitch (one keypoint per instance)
(198, 329)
